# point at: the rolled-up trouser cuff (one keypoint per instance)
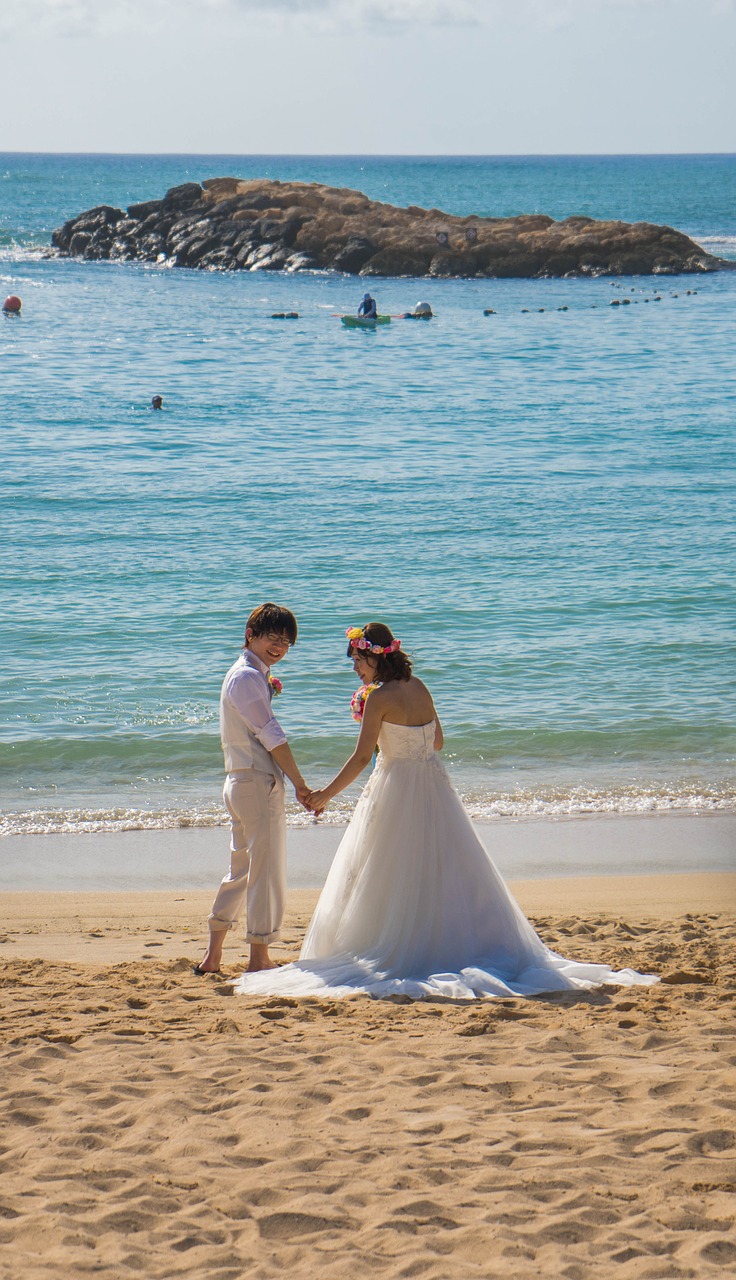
(265, 938)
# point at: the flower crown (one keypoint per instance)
(357, 640)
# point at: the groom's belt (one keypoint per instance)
(241, 775)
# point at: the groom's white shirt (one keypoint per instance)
(248, 728)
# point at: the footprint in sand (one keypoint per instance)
(717, 1142)
(425, 1213)
(665, 1090)
(319, 1096)
(721, 1252)
(282, 1226)
(25, 1118)
(225, 1027)
(312, 1164)
(680, 977)
(127, 1221)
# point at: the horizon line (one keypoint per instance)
(391, 155)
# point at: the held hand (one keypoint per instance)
(304, 795)
(318, 801)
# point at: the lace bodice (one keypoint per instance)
(407, 741)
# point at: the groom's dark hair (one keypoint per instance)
(271, 617)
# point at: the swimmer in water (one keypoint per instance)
(421, 311)
(157, 402)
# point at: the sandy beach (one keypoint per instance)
(157, 1126)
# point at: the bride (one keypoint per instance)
(413, 904)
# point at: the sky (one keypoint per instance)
(367, 77)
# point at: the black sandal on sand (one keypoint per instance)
(202, 973)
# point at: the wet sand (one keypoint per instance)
(182, 858)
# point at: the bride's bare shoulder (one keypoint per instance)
(419, 692)
(404, 702)
(419, 685)
(412, 688)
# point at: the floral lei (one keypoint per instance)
(356, 636)
(359, 698)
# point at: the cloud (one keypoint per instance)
(88, 17)
(347, 12)
(109, 17)
(93, 18)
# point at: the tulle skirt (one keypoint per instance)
(414, 906)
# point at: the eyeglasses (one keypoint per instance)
(274, 638)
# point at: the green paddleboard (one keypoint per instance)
(362, 322)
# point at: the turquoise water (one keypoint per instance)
(539, 502)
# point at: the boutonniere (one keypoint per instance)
(274, 685)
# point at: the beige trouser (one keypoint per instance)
(257, 876)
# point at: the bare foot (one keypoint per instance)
(259, 958)
(212, 958)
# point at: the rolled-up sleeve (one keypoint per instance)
(271, 735)
(249, 695)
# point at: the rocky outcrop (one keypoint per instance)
(229, 224)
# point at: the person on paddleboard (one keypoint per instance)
(368, 309)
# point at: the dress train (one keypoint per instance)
(414, 906)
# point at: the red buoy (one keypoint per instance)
(12, 303)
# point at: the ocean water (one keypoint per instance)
(539, 502)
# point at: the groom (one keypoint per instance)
(257, 756)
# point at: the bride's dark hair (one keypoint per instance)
(389, 666)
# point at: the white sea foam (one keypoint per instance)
(551, 803)
(22, 253)
(719, 246)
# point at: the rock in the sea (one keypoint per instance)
(229, 224)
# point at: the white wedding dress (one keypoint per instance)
(413, 904)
